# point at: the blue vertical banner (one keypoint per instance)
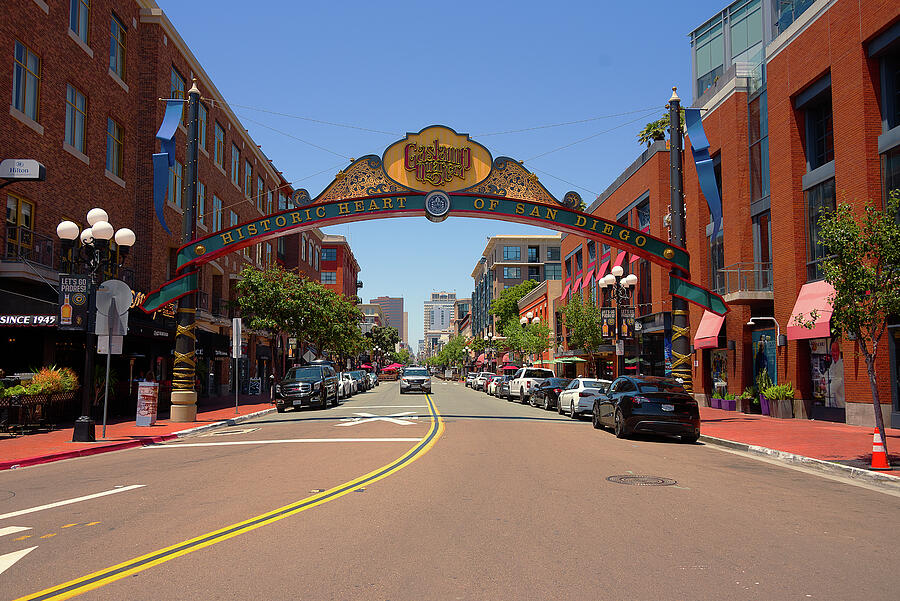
(705, 171)
(163, 161)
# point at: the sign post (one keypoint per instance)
(110, 326)
(236, 354)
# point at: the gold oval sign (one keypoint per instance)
(437, 158)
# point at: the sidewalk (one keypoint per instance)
(33, 449)
(841, 447)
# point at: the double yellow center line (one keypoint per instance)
(144, 562)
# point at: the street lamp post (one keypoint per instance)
(488, 338)
(91, 258)
(620, 290)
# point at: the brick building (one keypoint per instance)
(339, 270)
(799, 103)
(85, 91)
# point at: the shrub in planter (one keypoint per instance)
(781, 398)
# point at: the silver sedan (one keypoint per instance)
(578, 397)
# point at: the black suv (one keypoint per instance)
(307, 385)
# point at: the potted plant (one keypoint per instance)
(748, 399)
(763, 382)
(781, 400)
(729, 401)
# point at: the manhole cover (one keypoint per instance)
(642, 480)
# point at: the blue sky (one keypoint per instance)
(479, 67)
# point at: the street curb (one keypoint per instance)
(887, 481)
(127, 444)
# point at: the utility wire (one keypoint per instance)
(599, 133)
(516, 131)
(565, 181)
(311, 120)
(284, 133)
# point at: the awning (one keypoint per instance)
(707, 335)
(565, 291)
(509, 368)
(505, 358)
(620, 258)
(577, 285)
(602, 271)
(588, 279)
(813, 297)
(480, 359)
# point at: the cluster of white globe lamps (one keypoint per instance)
(611, 279)
(100, 229)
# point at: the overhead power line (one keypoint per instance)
(599, 133)
(588, 120)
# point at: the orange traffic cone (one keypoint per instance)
(879, 457)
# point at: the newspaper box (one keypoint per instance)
(147, 401)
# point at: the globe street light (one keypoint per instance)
(91, 258)
(620, 290)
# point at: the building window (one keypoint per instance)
(117, 47)
(819, 199)
(317, 261)
(579, 261)
(176, 183)
(592, 251)
(787, 11)
(512, 253)
(219, 154)
(329, 254)
(218, 211)
(512, 273)
(234, 218)
(533, 254)
(177, 88)
(260, 194)
(309, 252)
(759, 147)
(890, 89)
(569, 268)
(717, 262)
(746, 31)
(115, 147)
(643, 216)
(19, 226)
(203, 116)
(553, 253)
(303, 247)
(890, 166)
(553, 271)
(201, 204)
(76, 113)
(26, 81)
(819, 132)
(762, 250)
(282, 202)
(534, 273)
(248, 179)
(269, 252)
(269, 201)
(709, 48)
(235, 165)
(329, 277)
(80, 18)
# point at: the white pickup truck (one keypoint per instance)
(525, 379)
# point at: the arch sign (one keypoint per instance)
(435, 173)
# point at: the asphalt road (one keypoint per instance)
(389, 497)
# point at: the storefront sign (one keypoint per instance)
(608, 322)
(626, 322)
(28, 320)
(74, 293)
(22, 169)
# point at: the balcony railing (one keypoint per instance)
(746, 277)
(23, 244)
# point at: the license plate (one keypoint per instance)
(297, 403)
(668, 407)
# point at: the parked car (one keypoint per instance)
(503, 389)
(373, 377)
(307, 385)
(546, 394)
(361, 381)
(480, 379)
(494, 383)
(578, 397)
(348, 384)
(525, 379)
(648, 404)
(470, 377)
(415, 378)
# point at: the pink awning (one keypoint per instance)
(565, 292)
(813, 297)
(707, 335)
(588, 279)
(505, 358)
(620, 258)
(602, 271)
(577, 285)
(480, 360)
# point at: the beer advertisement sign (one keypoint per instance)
(74, 293)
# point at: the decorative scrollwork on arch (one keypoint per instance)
(364, 177)
(510, 179)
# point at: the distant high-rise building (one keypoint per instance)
(393, 312)
(437, 320)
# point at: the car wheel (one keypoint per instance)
(572, 413)
(323, 399)
(691, 438)
(280, 408)
(595, 417)
(620, 424)
(546, 403)
(559, 405)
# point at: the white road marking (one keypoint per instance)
(70, 501)
(13, 530)
(369, 417)
(230, 432)
(387, 406)
(178, 445)
(7, 561)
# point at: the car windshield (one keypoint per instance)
(298, 373)
(601, 384)
(415, 372)
(537, 373)
(661, 386)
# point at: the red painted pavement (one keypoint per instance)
(828, 441)
(33, 449)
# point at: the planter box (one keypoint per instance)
(782, 409)
(729, 404)
(764, 405)
(715, 403)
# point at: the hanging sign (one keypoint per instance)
(22, 169)
(74, 294)
(626, 322)
(608, 322)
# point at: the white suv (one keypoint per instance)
(525, 379)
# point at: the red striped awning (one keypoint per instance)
(602, 271)
(565, 292)
(588, 279)
(620, 258)
(577, 285)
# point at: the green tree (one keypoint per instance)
(583, 327)
(528, 339)
(506, 306)
(453, 353)
(657, 130)
(385, 338)
(402, 356)
(864, 269)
